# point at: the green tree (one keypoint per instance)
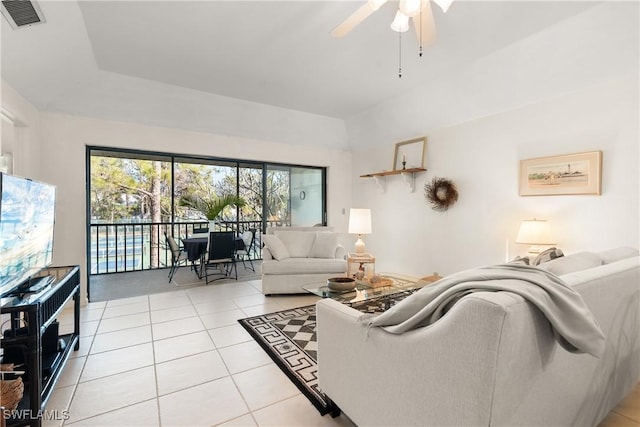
(200, 197)
(278, 196)
(250, 188)
(109, 203)
(126, 189)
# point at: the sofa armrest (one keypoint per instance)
(445, 370)
(341, 252)
(266, 254)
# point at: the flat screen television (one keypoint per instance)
(27, 215)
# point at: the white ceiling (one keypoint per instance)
(268, 52)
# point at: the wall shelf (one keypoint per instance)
(407, 174)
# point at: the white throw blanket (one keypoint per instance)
(573, 324)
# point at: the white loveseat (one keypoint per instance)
(491, 360)
(296, 256)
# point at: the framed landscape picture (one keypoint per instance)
(579, 173)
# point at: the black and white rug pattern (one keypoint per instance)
(289, 338)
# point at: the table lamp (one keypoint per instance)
(360, 223)
(535, 232)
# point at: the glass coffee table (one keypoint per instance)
(381, 295)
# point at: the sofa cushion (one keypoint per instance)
(324, 245)
(616, 254)
(305, 266)
(298, 243)
(278, 250)
(570, 263)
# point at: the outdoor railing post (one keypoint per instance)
(125, 248)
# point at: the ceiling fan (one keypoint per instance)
(418, 10)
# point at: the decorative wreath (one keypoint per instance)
(441, 193)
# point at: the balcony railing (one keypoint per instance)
(137, 246)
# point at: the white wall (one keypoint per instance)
(20, 133)
(482, 158)
(570, 88)
(60, 159)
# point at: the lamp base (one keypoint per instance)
(534, 251)
(360, 249)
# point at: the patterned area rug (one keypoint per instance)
(289, 338)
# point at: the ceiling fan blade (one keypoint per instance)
(425, 25)
(352, 21)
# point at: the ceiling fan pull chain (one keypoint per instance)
(420, 51)
(399, 55)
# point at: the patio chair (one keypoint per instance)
(221, 255)
(248, 238)
(177, 256)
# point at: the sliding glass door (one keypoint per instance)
(307, 196)
(250, 186)
(129, 197)
(295, 196)
(136, 197)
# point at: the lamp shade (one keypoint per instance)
(360, 221)
(535, 232)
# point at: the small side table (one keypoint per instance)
(360, 262)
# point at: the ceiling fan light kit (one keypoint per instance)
(410, 7)
(400, 23)
(418, 10)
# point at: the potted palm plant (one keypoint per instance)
(213, 205)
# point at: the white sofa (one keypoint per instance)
(491, 360)
(296, 256)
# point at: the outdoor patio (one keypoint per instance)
(103, 287)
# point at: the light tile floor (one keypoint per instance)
(181, 359)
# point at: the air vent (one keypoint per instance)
(21, 13)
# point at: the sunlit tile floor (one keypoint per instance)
(181, 359)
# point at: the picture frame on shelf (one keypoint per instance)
(569, 174)
(409, 154)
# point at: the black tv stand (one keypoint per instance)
(33, 329)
